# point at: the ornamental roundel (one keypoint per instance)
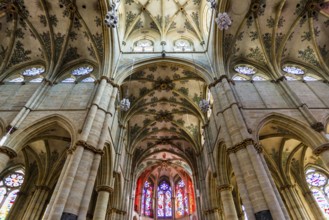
(14, 180)
(316, 179)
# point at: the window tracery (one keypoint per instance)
(164, 206)
(143, 45)
(9, 187)
(83, 70)
(147, 202)
(182, 45)
(33, 71)
(319, 186)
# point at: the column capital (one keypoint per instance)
(318, 126)
(211, 211)
(104, 188)
(110, 81)
(225, 187)
(320, 149)
(219, 80)
(239, 146)
(8, 151)
(86, 147)
(118, 211)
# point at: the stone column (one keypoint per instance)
(102, 202)
(6, 154)
(256, 190)
(227, 202)
(37, 203)
(294, 206)
(317, 212)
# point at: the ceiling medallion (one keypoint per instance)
(111, 17)
(204, 105)
(223, 21)
(164, 84)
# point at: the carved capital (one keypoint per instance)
(110, 81)
(104, 188)
(242, 145)
(8, 151)
(211, 211)
(317, 151)
(281, 78)
(86, 147)
(219, 80)
(318, 126)
(115, 210)
(225, 187)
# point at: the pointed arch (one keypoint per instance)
(303, 131)
(28, 133)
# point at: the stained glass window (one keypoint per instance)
(319, 186)
(68, 80)
(293, 70)
(18, 79)
(9, 187)
(88, 80)
(182, 207)
(245, 69)
(147, 195)
(83, 70)
(33, 71)
(164, 200)
(143, 45)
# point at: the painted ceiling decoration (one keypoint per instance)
(163, 22)
(164, 115)
(271, 34)
(49, 34)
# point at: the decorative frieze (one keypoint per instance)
(8, 151)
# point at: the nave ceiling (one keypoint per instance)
(164, 115)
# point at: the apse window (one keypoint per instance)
(318, 183)
(182, 45)
(10, 185)
(164, 208)
(143, 45)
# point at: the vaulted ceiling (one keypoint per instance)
(164, 114)
(163, 22)
(270, 34)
